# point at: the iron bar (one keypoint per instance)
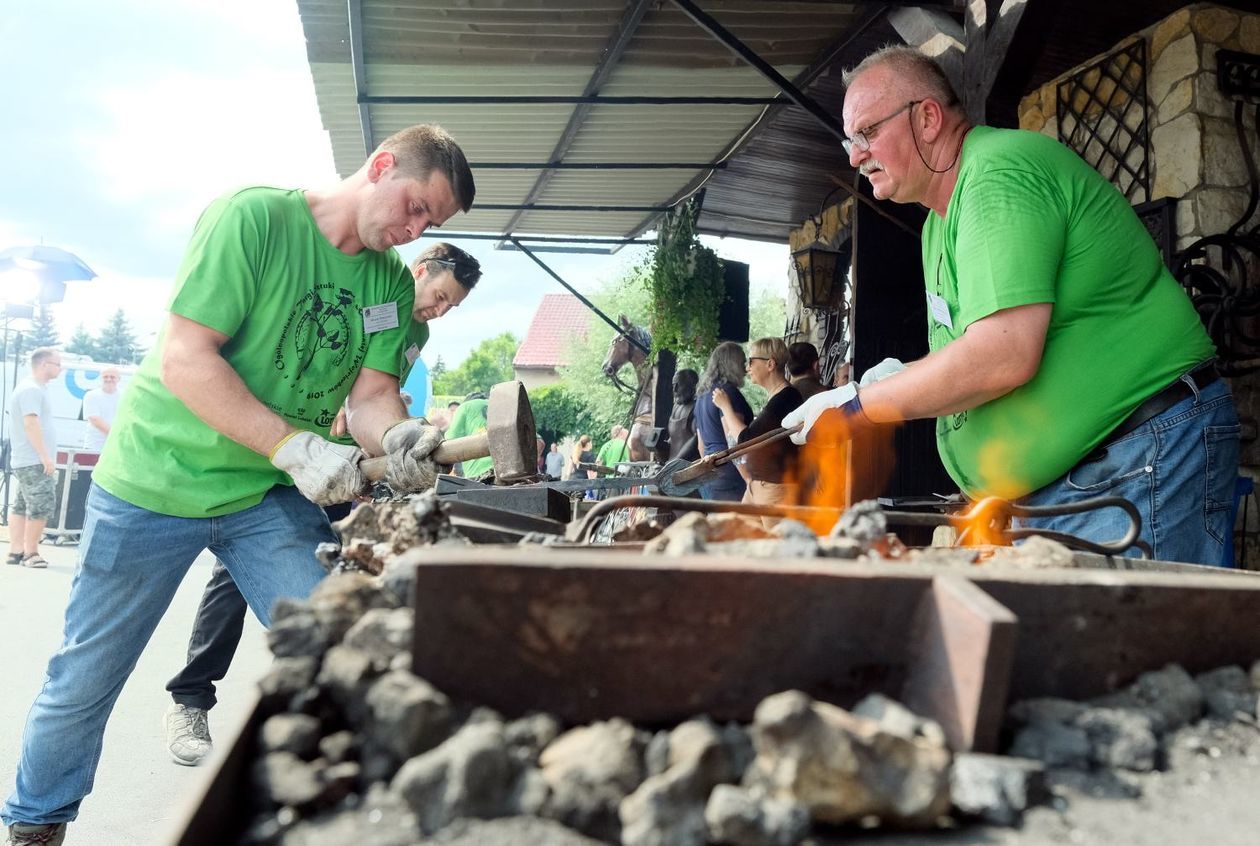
(562, 207)
(544, 239)
(354, 15)
(599, 165)
(575, 292)
(562, 99)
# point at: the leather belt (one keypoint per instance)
(1202, 376)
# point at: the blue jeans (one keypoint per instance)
(1178, 468)
(131, 562)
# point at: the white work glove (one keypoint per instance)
(883, 370)
(409, 447)
(807, 413)
(325, 473)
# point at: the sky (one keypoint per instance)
(123, 119)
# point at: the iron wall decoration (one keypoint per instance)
(1102, 116)
(1160, 219)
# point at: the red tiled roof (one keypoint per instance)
(560, 317)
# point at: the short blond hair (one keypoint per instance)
(772, 348)
(419, 150)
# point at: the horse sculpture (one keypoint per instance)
(620, 353)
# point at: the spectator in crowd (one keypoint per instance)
(554, 462)
(33, 441)
(616, 449)
(724, 371)
(802, 369)
(100, 405)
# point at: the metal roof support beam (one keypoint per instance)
(628, 25)
(562, 99)
(793, 93)
(545, 239)
(553, 207)
(578, 294)
(598, 165)
(354, 14)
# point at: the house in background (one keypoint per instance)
(559, 318)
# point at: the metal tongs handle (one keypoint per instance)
(717, 459)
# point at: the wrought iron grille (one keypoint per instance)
(835, 344)
(1102, 116)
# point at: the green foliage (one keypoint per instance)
(767, 315)
(116, 343)
(82, 343)
(686, 285)
(43, 329)
(439, 369)
(489, 363)
(559, 412)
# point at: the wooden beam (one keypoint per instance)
(934, 33)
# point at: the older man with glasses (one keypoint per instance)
(100, 406)
(1066, 362)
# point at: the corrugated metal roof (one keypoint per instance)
(553, 47)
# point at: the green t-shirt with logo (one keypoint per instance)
(470, 418)
(614, 451)
(292, 305)
(417, 337)
(1030, 222)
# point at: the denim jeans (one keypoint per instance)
(217, 632)
(131, 562)
(1178, 469)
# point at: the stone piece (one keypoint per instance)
(342, 598)
(1043, 710)
(656, 755)
(1034, 553)
(864, 522)
(1209, 101)
(286, 779)
(530, 793)
(1120, 738)
(1227, 692)
(346, 675)
(1213, 24)
(298, 635)
(1054, 744)
(511, 831)
(381, 819)
(995, 788)
(589, 770)
(408, 715)
(286, 678)
(1169, 696)
(398, 579)
(338, 747)
(1178, 61)
(898, 720)
(383, 634)
(1172, 27)
(1179, 98)
(529, 735)
(469, 775)
(340, 780)
(1222, 164)
(296, 733)
(734, 816)
(1249, 34)
(1178, 154)
(844, 768)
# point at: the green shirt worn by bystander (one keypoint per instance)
(612, 452)
(470, 418)
(255, 254)
(1030, 222)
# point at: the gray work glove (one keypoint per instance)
(325, 473)
(409, 447)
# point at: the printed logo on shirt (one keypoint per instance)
(318, 343)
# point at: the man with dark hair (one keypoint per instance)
(33, 438)
(802, 369)
(1066, 361)
(444, 275)
(287, 305)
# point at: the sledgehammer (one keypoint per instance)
(510, 438)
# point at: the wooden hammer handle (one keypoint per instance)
(448, 452)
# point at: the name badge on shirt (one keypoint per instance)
(378, 318)
(412, 352)
(940, 310)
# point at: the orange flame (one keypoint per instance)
(842, 464)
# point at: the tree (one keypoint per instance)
(438, 370)
(43, 329)
(489, 363)
(82, 343)
(559, 413)
(116, 343)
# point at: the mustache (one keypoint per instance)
(867, 166)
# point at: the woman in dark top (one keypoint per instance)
(725, 370)
(770, 470)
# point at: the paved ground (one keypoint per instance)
(140, 794)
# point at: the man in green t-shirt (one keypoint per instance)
(615, 449)
(444, 275)
(286, 305)
(470, 419)
(1066, 362)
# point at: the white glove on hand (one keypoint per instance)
(883, 370)
(409, 447)
(325, 473)
(808, 412)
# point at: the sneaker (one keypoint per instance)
(37, 834)
(187, 734)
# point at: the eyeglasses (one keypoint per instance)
(449, 264)
(861, 140)
(753, 358)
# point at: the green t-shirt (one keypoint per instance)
(612, 452)
(1030, 222)
(258, 270)
(417, 337)
(470, 418)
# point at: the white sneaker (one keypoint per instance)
(187, 734)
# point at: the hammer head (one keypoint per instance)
(510, 432)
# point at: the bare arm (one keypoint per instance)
(193, 369)
(99, 423)
(372, 407)
(995, 355)
(34, 434)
